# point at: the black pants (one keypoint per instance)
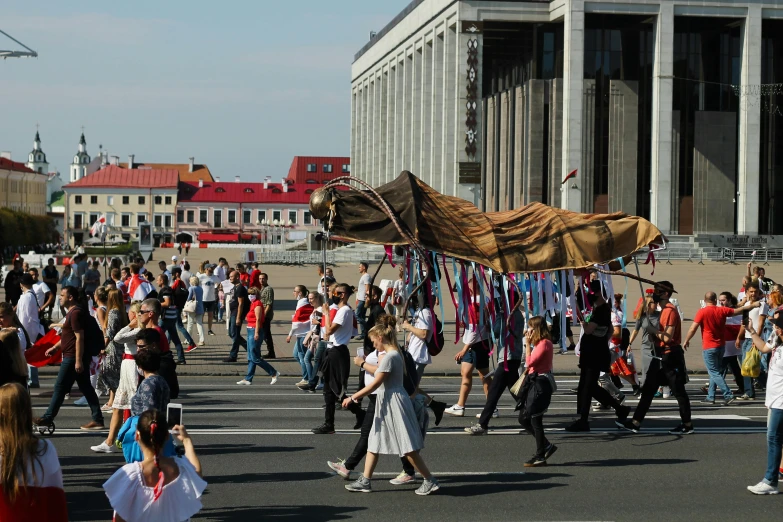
(168, 370)
(589, 388)
(336, 369)
(501, 380)
(731, 363)
(670, 373)
(270, 343)
(360, 450)
(535, 427)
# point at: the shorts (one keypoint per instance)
(478, 355)
(210, 306)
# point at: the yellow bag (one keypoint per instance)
(751, 365)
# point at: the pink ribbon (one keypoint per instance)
(389, 252)
(453, 298)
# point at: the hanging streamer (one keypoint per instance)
(540, 288)
(451, 292)
(534, 293)
(563, 308)
(390, 252)
(625, 294)
(523, 288)
(549, 294)
(575, 312)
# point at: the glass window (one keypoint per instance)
(167, 220)
(141, 218)
(142, 200)
(346, 169)
(93, 218)
(180, 216)
(158, 220)
(277, 215)
(93, 200)
(202, 216)
(312, 167)
(126, 200)
(77, 221)
(125, 220)
(261, 216)
(246, 216)
(328, 168)
(158, 200)
(217, 219)
(110, 200)
(292, 216)
(191, 216)
(308, 219)
(168, 200)
(77, 200)
(232, 216)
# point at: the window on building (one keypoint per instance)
(168, 200)
(277, 215)
(141, 218)
(158, 220)
(232, 216)
(261, 216)
(125, 220)
(77, 200)
(308, 219)
(312, 181)
(158, 200)
(142, 200)
(346, 169)
(78, 221)
(110, 219)
(220, 189)
(246, 216)
(248, 190)
(110, 200)
(328, 168)
(126, 200)
(180, 216)
(312, 167)
(167, 220)
(202, 216)
(93, 218)
(217, 220)
(190, 216)
(292, 216)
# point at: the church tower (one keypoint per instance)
(36, 160)
(80, 161)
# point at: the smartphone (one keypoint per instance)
(174, 415)
(360, 352)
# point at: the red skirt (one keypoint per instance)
(622, 368)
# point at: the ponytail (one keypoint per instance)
(153, 435)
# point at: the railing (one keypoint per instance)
(315, 257)
(761, 256)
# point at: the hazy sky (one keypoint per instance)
(241, 85)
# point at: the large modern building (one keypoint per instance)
(665, 109)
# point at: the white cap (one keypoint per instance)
(173, 258)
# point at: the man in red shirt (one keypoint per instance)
(667, 366)
(244, 277)
(712, 319)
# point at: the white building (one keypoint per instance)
(81, 161)
(657, 105)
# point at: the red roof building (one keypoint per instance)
(318, 169)
(14, 166)
(235, 211)
(117, 177)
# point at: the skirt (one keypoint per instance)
(109, 374)
(396, 429)
(129, 381)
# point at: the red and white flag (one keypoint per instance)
(99, 227)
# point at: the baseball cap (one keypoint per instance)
(174, 258)
(777, 320)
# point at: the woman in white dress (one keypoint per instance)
(395, 429)
(129, 378)
(163, 489)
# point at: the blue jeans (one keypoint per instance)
(32, 376)
(749, 390)
(299, 356)
(170, 327)
(361, 321)
(774, 445)
(66, 376)
(181, 329)
(713, 360)
(319, 354)
(235, 332)
(308, 360)
(254, 355)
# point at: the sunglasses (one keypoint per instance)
(141, 346)
(145, 311)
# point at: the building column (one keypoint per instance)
(573, 82)
(662, 201)
(749, 181)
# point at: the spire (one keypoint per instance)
(37, 141)
(82, 141)
(37, 137)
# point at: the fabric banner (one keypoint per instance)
(36, 355)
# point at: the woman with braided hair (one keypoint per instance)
(164, 489)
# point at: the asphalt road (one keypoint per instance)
(262, 462)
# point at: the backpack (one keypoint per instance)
(180, 295)
(432, 347)
(93, 337)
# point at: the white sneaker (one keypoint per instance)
(102, 448)
(80, 402)
(456, 410)
(495, 414)
(302, 382)
(274, 379)
(244, 382)
(762, 488)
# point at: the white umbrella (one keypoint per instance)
(93, 241)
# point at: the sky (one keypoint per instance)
(243, 86)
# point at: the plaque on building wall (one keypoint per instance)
(469, 173)
(472, 27)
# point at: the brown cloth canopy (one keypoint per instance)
(533, 238)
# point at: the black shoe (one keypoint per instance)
(729, 401)
(359, 338)
(210, 332)
(637, 390)
(437, 408)
(682, 429)
(549, 451)
(535, 462)
(578, 426)
(623, 412)
(707, 401)
(324, 429)
(360, 419)
(571, 347)
(230, 359)
(627, 425)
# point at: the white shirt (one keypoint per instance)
(399, 289)
(774, 397)
(418, 347)
(186, 278)
(227, 286)
(342, 336)
(209, 284)
(754, 314)
(48, 473)
(220, 272)
(371, 359)
(41, 289)
(472, 334)
(27, 311)
(361, 291)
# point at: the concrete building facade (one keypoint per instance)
(21, 188)
(665, 109)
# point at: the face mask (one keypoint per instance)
(334, 300)
(252, 298)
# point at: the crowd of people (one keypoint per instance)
(120, 339)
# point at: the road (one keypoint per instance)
(262, 462)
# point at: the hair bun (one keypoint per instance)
(387, 321)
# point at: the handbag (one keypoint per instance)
(517, 387)
(751, 365)
(190, 306)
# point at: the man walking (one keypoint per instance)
(27, 312)
(712, 319)
(209, 282)
(73, 367)
(12, 280)
(267, 298)
(238, 306)
(180, 298)
(170, 313)
(362, 295)
(668, 366)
